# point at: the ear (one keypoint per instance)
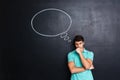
(83, 43)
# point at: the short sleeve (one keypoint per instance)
(70, 57)
(90, 55)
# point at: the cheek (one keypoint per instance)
(81, 45)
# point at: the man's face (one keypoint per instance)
(79, 44)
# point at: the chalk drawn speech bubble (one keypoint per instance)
(63, 34)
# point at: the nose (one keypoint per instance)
(79, 45)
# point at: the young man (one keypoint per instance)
(80, 61)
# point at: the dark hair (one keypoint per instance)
(78, 38)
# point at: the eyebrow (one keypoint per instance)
(78, 43)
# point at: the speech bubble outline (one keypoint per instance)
(62, 33)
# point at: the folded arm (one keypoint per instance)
(74, 69)
(87, 63)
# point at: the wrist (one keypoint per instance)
(80, 53)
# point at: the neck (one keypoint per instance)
(82, 48)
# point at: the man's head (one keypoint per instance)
(79, 41)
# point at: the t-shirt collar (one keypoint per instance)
(84, 50)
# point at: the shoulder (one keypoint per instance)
(71, 53)
(89, 52)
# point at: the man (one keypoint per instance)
(80, 61)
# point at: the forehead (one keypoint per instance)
(78, 42)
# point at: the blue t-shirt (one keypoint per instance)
(74, 56)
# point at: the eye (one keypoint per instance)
(76, 44)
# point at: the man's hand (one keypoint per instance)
(92, 67)
(79, 50)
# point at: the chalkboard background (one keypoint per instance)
(25, 55)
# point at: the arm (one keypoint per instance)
(87, 63)
(91, 63)
(74, 69)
